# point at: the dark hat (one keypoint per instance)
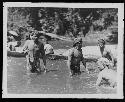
(77, 40)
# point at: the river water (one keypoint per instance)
(55, 81)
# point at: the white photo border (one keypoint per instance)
(120, 7)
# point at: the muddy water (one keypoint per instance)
(55, 81)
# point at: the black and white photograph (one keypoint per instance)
(63, 50)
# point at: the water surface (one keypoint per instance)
(55, 81)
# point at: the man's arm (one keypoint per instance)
(83, 61)
(24, 46)
(112, 57)
(69, 58)
(43, 55)
(44, 60)
(110, 54)
(99, 79)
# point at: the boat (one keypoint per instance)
(55, 56)
(15, 54)
(49, 56)
(88, 53)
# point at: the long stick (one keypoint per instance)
(55, 36)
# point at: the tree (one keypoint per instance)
(17, 20)
(60, 21)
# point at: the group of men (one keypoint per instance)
(36, 49)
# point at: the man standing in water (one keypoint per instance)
(75, 56)
(34, 51)
(28, 50)
(39, 53)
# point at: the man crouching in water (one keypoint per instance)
(109, 75)
(75, 57)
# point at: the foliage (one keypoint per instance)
(61, 21)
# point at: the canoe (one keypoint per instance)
(50, 56)
(90, 53)
(15, 54)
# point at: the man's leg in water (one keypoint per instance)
(44, 62)
(34, 65)
(78, 70)
(38, 67)
(28, 66)
(31, 61)
(73, 70)
(41, 64)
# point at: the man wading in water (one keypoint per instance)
(35, 53)
(75, 57)
(39, 53)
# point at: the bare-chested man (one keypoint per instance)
(75, 57)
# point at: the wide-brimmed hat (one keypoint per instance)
(77, 40)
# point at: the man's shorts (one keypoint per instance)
(75, 69)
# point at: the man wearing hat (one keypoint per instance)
(75, 56)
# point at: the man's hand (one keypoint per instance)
(45, 69)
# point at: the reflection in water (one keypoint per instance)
(55, 81)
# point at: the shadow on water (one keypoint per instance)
(55, 81)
